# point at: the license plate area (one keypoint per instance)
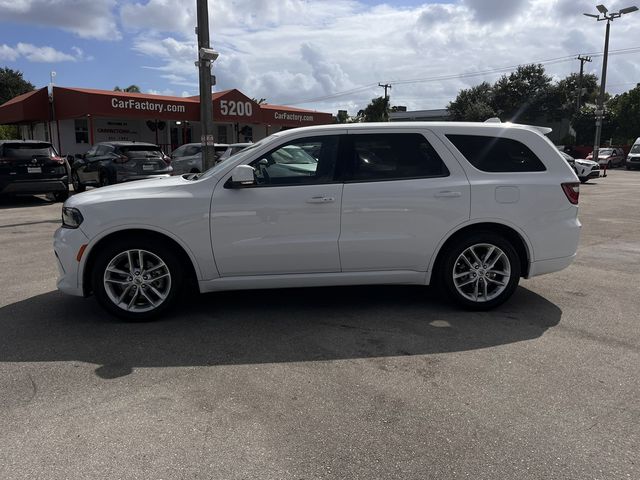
(34, 169)
(148, 166)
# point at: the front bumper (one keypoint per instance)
(66, 245)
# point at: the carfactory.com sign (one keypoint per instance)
(146, 105)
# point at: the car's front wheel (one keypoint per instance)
(135, 279)
(480, 271)
(78, 186)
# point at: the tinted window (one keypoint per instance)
(305, 161)
(635, 148)
(28, 150)
(104, 150)
(493, 154)
(393, 156)
(141, 151)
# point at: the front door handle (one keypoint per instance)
(321, 199)
(448, 194)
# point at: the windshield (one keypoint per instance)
(635, 148)
(605, 151)
(141, 151)
(240, 156)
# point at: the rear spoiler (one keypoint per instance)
(542, 130)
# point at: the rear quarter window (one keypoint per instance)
(494, 154)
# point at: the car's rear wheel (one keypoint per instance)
(78, 186)
(481, 271)
(136, 280)
(105, 179)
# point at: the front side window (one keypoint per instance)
(494, 154)
(304, 161)
(393, 156)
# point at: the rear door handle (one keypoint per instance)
(321, 199)
(448, 194)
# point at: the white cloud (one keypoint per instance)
(42, 54)
(85, 18)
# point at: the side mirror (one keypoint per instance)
(70, 159)
(243, 176)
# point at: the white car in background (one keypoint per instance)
(585, 169)
(468, 207)
(188, 157)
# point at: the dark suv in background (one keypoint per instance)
(108, 163)
(32, 167)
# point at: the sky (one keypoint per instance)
(325, 55)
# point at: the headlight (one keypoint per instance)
(71, 217)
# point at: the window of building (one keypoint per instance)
(493, 154)
(82, 130)
(222, 134)
(393, 156)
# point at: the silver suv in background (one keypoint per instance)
(188, 157)
(107, 163)
(232, 149)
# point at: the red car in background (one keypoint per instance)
(609, 157)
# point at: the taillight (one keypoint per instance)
(572, 191)
(56, 159)
(121, 159)
(167, 159)
(6, 161)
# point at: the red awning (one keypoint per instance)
(28, 107)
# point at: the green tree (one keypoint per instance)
(473, 104)
(130, 89)
(376, 111)
(12, 84)
(625, 109)
(563, 96)
(522, 96)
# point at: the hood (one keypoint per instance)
(131, 190)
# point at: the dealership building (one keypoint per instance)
(74, 118)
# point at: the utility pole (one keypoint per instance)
(206, 56)
(386, 87)
(582, 62)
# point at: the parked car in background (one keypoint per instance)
(188, 157)
(609, 157)
(633, 158)
(585, 169)
(232, 149)
(108, 163)
(375, 204)
(31, 167)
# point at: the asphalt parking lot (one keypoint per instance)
(366, 383)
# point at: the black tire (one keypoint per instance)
(60, 196)
(78, 186)
(583, 179)
(139, 242)
(628, 167)
(450, 264)
(104, 179)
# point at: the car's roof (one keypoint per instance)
(24, 141)
(480, 126)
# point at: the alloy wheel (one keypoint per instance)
(481, 272)
(137, 281)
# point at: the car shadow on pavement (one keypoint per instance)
(265, 326)
(23, 201)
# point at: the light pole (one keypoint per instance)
(609, 17)
(206, 56)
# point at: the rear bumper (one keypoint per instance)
(548, 266)
(121, 178)
(47, 185)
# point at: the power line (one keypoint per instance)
(551, 61)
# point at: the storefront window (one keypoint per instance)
(82, 131)
(222, 134)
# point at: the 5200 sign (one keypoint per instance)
(233, 108)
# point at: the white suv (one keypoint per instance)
(469, 207)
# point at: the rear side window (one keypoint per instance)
(393, 156)
(21, 150)
(493, 154)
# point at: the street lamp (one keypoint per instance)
(609, 17)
